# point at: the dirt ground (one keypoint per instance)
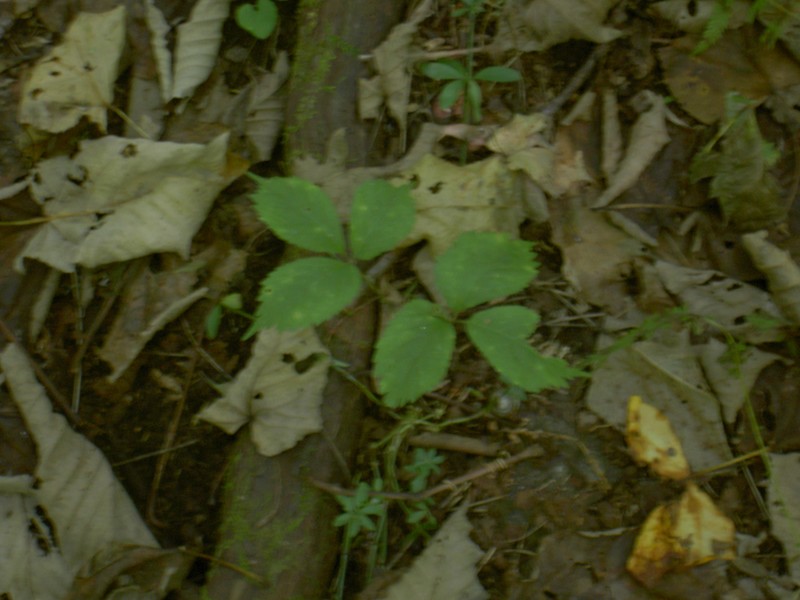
(648, 290)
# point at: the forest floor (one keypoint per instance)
(654, 178)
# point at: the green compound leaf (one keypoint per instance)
(413, 353)
(299, 212)
(444, 69)
(258, 19)
(501, 334)
(381, 217)
(305, 292)
(483, 266)
(498, 75)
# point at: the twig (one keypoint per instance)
(56, 395)
(581, 75)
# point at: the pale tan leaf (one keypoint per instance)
(452, 199)
(119, 198)
(446, 568)
(76, 509)
(197, 45)
(278, 392)
(783, 274)
(159, 30)
(76, 79)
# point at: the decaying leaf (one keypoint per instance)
(76, 79)
(782, 273)
(159, 30)
(653, 442)
(689, 532)
(119, 199)
(666, 371)
(393, 62)
(279, 392)
(784, 506)
(76, 508)
(150, 301)
(452, 199)
(535, 25)
(732, 377)
(583, 235)
(648, 136)
(727, 301)
(748, 193)
(446, 568)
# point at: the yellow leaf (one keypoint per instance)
(653, 442)
(680, 535)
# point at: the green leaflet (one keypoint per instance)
(381, 217)
(305, 292)
(501, 334)
(299, 213)
(483, 266)
(413, 353)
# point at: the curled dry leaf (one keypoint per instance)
(393, 61)
(197, 45)
(648, 136)
(782, 273)
(76, 79)
(75, 509)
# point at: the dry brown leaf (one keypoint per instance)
(76, 79)
(648, 136)
(783, 274)
(150, 301)
(393, 61)
(652, 441)
(534, 25)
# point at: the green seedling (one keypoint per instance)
(231, 303)
(360, 512)
(413, 353)
(311, 290)
(258, 19)
(464, 84)
(425, 463)
(462, 81)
